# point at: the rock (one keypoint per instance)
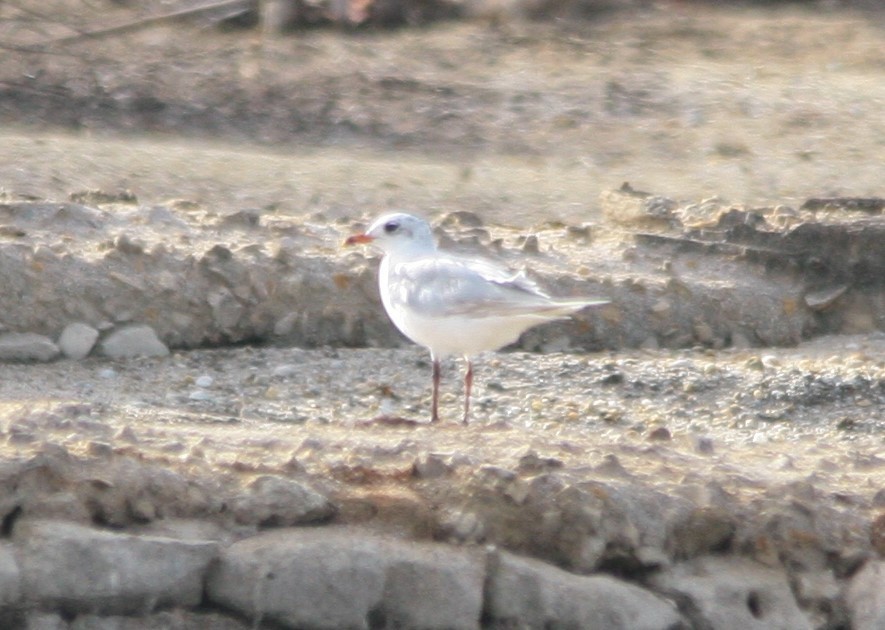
(166, 620)
(73, 568)
(526, 593)
(865, 597)
(10, 578)
(37, 620)
(277, 502)
(629, 206)
(704, 531)
(877, 530)
(27, 347)
(227, 310)
(133, 341)
(822, 299)
(530, 245)
(660, 434)
(341, 578)
(277, 16)
(77, 340)
(431, 466)
(733, 594)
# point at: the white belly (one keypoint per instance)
(458, 335)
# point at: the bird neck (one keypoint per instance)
(412, 251)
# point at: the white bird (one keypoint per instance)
(453, 305)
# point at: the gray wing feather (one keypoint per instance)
(441, 286)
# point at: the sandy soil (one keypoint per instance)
(516, 121)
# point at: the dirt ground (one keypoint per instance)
(517, 121)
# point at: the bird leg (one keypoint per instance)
(468, 387)
(434, 417)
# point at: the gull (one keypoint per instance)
(453, 305)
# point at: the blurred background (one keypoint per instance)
(519, 110)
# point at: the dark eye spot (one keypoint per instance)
(391, 226)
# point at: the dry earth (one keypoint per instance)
(773, 453)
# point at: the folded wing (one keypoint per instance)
(446, 286)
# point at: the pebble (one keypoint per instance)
(660, 434)
(133, 341)
(284, 371)
(703, 444)
(27, 347)
(204, 381)
(77, 340)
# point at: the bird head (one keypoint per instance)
(398, 233)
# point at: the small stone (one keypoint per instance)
(580, 233)
(650, 343)
(77, 340)
(462, 218)
(204, 381)
(27, 347)
(865, 597)
(740, 340)
(705, 530)
(703, 332)
(100, 449)
(532, 463)
(755, 363)
(250, 218)
(661, 434)
(278, 501)
(431, 466)
(107, 373)
(200, 395)
(611, 465)
(285, 325)
(822, 299)
(530, 245)
(704, 444)
(877, 535)
(132, 341)
(661, 307)
(284, 371)
(129, 246)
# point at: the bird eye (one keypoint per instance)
(391, 226)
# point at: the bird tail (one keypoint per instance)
(564, 308)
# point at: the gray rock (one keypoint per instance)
(73, 568)
(276, 501)
(27, 347)
(133, 341)
(526, 593)
(10, 578)
(77, 340)
(865, 597)
(339, 578)
(167, 620)
(37, 620)
(729, 593)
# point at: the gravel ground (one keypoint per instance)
(818, 409)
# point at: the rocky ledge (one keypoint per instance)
(103, 274)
